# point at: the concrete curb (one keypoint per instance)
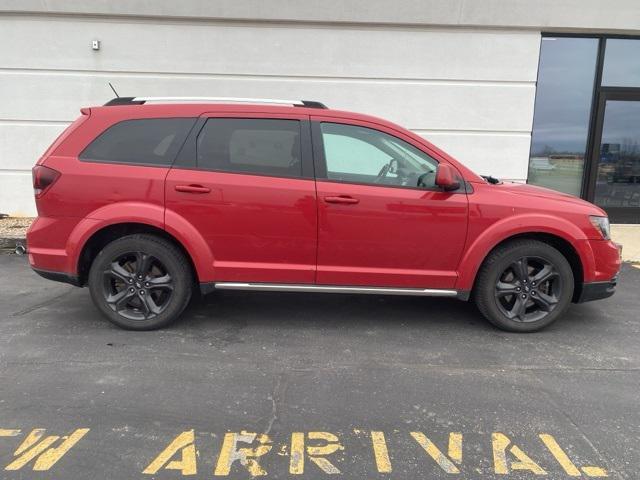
(629, 237)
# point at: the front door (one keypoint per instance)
(615, 178)
(247, 187)
(381, 219)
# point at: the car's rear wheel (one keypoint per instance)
(524, 286)
(140, 282)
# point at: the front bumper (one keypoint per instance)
(607, 260)
(597, 290)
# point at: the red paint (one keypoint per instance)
(254, 228)
(391, 237)
(447, 178)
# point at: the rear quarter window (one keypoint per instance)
(149, 141)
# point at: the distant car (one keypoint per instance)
(146, 200)
(541, 163)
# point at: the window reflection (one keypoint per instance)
(621, 63)
(618, 180)
(562, 109)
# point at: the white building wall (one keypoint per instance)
(470, 91)
(459, 72)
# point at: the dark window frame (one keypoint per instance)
(170, 162)
(604, 40)
(587, 189)
(617, 94)
(187, 158)
(321, 163)
(591, 105)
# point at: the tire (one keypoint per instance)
(524, 285)
(140, 303)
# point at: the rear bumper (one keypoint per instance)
(58, 276)
(47, 244)
(597, 290)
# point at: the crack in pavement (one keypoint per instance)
(42, 304)
(277, 398)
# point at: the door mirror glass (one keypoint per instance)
(447, 178)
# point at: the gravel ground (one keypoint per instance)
(12, 227)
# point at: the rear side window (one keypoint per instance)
(260, 146)
(149, 141)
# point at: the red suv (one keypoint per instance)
(146, 199)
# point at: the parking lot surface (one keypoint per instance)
(287, 385)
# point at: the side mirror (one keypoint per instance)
(447, 177)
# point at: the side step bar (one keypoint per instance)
(283, 287)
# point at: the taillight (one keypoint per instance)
(43, 178)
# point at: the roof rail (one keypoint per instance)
(141, 100)
(122, 101)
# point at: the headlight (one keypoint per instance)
(602, 225)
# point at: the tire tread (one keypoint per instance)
(184, 280)
(481, 290)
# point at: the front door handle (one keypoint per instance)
(343, 199)
(192, 189)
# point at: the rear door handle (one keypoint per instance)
(344, 199)
(192, 189)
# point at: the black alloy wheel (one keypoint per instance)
(528, 289)
(137, 286)
(141, 281)
(524, 285)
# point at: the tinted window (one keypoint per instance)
(262, 146)
(621, 63)
(561, 119)
(153, 141)
(363, 155)
(618, 178)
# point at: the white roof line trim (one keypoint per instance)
(219, 99)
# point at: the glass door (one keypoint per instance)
(615, 176)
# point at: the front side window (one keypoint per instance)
(363, 155)
(259, 146)
(149, 141)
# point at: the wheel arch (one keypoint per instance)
(566, 237)
(103, 236)
(560, 244)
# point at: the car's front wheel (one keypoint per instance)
(140, 282)
(524, 286)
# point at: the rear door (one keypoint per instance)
(381, 219)
(246, 183)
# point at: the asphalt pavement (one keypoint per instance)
(305, 386)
